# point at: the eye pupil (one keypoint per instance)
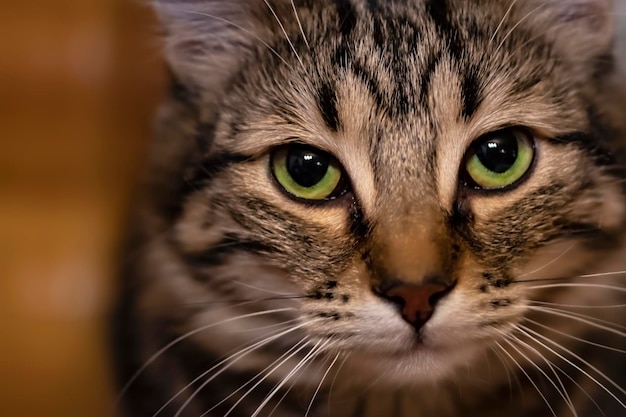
(307, 173)
(498, 154)
(499, 159)
(306, 167)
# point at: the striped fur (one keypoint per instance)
(268, 305)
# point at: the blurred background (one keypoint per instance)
(79, 81)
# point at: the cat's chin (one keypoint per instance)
(420, 364)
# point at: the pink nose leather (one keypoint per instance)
(416, 302)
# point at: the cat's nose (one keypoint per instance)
(416, 302)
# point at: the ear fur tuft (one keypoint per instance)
(583, 29)
(206, 41)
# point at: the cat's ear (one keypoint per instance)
(582, 29)
(207, 40)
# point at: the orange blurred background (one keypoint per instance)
(79, 80)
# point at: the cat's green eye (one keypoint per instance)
(500, 159)
(307, 172)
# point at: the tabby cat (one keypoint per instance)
(363, 208)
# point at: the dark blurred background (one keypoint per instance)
(79, 80)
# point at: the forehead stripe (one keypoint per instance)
(470, 92)
(327, 103)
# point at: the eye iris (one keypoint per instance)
(498, 154)
(500, 159)
(305, 167)
(306, 172)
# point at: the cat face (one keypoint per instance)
(401, 172)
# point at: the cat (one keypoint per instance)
(380, 208)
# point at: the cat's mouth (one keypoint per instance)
(422, 345)
(401, 346)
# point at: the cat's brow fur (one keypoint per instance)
(397, 91)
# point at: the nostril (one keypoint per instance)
(416, 302)
(436, 297)
(399, 301)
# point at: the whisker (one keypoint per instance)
(508, 372)
(582, 390)
(592, 321)
(320, 385)
(570, 278)
(319, 346)
(287, 391)
(282, 326)
(332, 384)
(522, 328)
(228, 22)
(267, 327)
(276, 367)
(603, 274)
(535, 10)
(183, 337)
(247, 301)
(549, 263)
(224, 304)
(240, 353)
(295, 12)
(580, 285)
(502, 21)
(521, 368)
(293, 383)
(254, 287)
(562, 391)
(536, 323)
(569, 352)
(234, 358)
(527, 42)
(282, 28)
(608, 306)
(258, 375)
